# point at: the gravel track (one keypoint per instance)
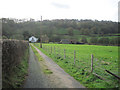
(58, 79)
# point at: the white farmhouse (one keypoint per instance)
(33, 39)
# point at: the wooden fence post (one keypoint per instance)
(51, 49)
(48, 49)
(43, 47)
(54, 49)
(113, 74)
(58, 51)
(64, 54)
(91, 62)
(74, 56)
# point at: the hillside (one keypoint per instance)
(59, 29)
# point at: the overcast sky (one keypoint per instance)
(60, 9)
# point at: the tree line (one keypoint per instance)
(102, 41)
(59, 29)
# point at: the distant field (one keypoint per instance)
(105, 58)
(78, 36)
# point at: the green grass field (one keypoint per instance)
(105, 58)
(78, 37)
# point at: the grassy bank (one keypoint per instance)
(106, 57)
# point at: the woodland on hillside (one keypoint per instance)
(86, 31)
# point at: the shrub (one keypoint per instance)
(103, 41)
(93, 40)
(83, 40)
(114, 41)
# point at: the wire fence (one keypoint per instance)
(90, 63)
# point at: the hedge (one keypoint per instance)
(12, 53)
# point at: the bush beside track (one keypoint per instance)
(14, 62)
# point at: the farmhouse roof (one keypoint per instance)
(33, 39)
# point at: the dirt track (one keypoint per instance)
(58, 79)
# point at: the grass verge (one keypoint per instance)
(44, 68)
